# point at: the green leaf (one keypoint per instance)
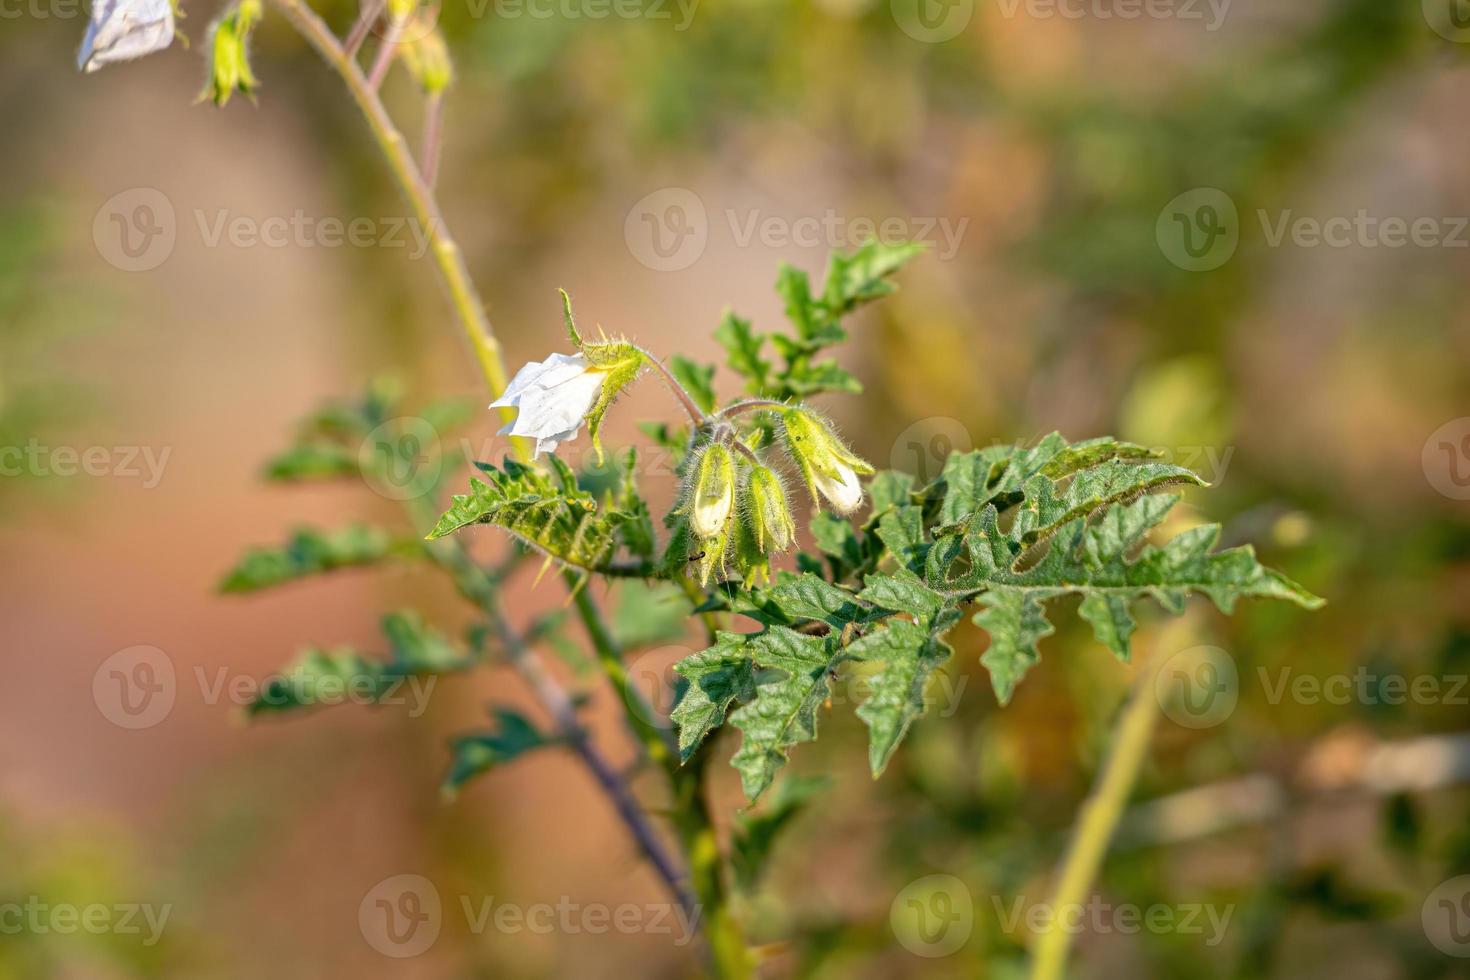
(1016, 622)
(755, 834)
(312, 461)
(784, 712)
(647, 615)
(717, 677)
(554, 517)
(1111, 621)
(743, 351)
(328, 677)
(837, 540)
(863, 276)
(698, 379)
(902, 591)
(311, 552)
(472, 755)
(909, 653)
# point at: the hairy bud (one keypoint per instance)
(770, 516)
(830, 469)
(229, 55)
(712, 496)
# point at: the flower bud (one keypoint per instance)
(427, 58)
(770, 517)
(713, 495)
(831, 469)
(228, 54)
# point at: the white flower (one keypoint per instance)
(844, 491)
(121, 30)
(553, 397)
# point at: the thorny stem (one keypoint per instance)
(476, 585)
(448, 259)
(696, 830)
(690, 812)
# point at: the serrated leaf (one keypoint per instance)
(718, 676)
(472, 755)
(797, 598)
(889, 489)
(902, 592)
(1016, 622)
(1111, 621)
(837, 539)
(784, 712)
(909, 653)
(863, 275)
(311, 552)
(553, 516)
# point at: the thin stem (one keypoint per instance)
(433, 136)
(1099, 819)
(371, 11)
(386, 52)
(686, 401)
(477, 585)
(751, 405)
(747, 452)
(448, 259)
(690, 812)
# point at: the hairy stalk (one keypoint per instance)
(751, 405)
(681, 395)
(1100, 815)
(448, 259)
(690, 811)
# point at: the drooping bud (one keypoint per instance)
(770, 516)
(229, 55)
(426, 56)
(712, 495)
(830, 469)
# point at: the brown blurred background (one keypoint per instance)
(1039, 153)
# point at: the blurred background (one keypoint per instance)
(1235, 231)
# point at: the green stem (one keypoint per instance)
(448, 259)
(729, 957)
(1099, 819)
